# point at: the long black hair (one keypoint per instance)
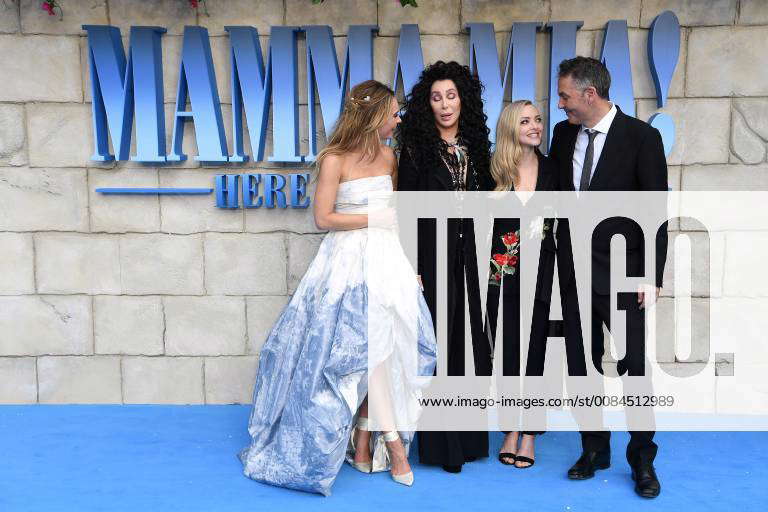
(418, 133)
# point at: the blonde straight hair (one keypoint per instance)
(508, 151)
(357, 129)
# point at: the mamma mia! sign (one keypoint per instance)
(131, 86)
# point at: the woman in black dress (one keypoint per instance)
(444, 146)
(517, 165)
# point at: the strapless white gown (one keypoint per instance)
(357, 306)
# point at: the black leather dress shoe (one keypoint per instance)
(587, 464)
(451, 469)
(646, 482)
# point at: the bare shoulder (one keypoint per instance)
(331, 167)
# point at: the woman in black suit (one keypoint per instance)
(517, 165)
(444, 146)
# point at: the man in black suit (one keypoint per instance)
(601, 148)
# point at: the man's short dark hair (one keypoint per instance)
(586, 72)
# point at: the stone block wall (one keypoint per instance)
(168, 300)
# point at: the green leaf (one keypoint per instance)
(317, 1)
(498, 267)
(509, 270)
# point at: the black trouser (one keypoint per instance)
(641, 445)
(511, 339)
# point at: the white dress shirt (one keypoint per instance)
(582, 140)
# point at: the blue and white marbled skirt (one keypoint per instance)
(313, 367)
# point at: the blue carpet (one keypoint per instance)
(165, 458)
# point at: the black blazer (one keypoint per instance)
(510, 286)
(632, 159)
(547, 180)
(410, 177)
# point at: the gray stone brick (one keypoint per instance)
(754, 114)
(35, 20)
(682, 370)
(18, 380)
(680, 330)
(725, 177)
(49, 71)
(262, 315)
(691, 12)
(339, 14)
(701, 128)
(195, 214)
(77, 263)
(229, 380)
(745, 274)
(9, 17)
(384, 58)
(45, 325)
(174, 15)
(16, 264)
(123, 213)
(665, 330)
(445, 48)
(59, 135)
(596, 14)
(163, 380)
(503, 13)
(753, 12)
(161, 264)
(746, 146)
(432, 16)
(128, 325)
(204, 325)
(222, 13)
(13, 148)
(43, 199)
(82, 380)
(705, 260)
(722, 58)
(301, 251)
(240, 264)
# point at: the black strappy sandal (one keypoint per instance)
(505, 456)
(521, 458)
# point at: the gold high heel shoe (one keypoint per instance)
(362, 424)
(407, 478)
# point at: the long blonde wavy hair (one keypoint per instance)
(508, 152)
(367, 108)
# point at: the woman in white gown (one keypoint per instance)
(358, 312)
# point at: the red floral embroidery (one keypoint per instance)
(506, 262)
(510, 239)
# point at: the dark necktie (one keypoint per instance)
(586, 169)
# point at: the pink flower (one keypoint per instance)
(48, 7)
(193, 3)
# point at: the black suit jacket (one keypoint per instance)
(632, 159)
(411, 177)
